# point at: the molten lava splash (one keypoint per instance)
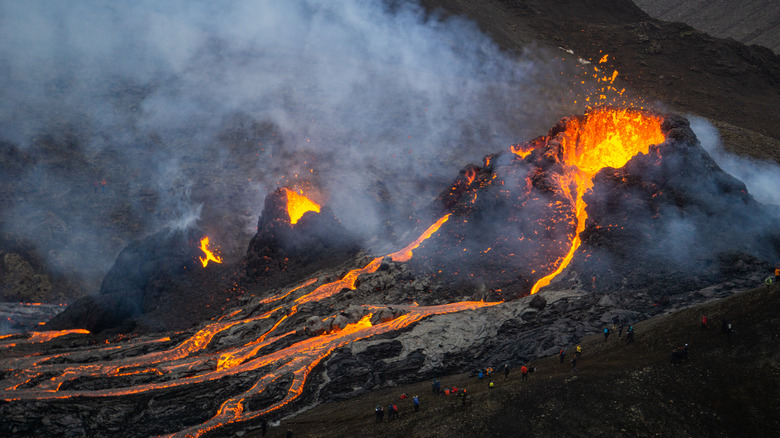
(298, 204)
(204, 246)
(606, 137)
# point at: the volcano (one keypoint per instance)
(618, 212)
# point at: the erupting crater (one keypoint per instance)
(532, 198)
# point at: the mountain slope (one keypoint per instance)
(682, 68)
(749, 22)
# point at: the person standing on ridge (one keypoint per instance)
(416, 401)
(562, 355)
(704, 321)
(524, 371)
(578, 352)
(606, 333)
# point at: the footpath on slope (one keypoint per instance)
(727, 386)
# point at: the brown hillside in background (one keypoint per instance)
(683, 69)
(747, 21)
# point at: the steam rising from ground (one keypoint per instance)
(762, 177)
(189, 108)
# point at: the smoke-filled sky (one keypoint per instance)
(198, 109)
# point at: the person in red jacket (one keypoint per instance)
(524, 371)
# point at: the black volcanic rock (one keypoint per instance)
(280, 250)
(157, 281)
(673, 220)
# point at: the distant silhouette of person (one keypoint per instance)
(380, 413)
(704, 321)
(606, 334)
(524, 372)
(562, 354)
(574, 364)
(506, 371)
(416, 401)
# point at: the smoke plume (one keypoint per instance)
(119, 118)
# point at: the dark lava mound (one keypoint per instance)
(653, 211)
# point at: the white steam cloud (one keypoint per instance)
(762, 177)
(180, 104)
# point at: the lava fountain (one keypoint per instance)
(606, 137)
(298, 205)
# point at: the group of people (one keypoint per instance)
(392, 409)
(617, 326)
(725, 325)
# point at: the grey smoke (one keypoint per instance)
(174, 102)
(762, 177)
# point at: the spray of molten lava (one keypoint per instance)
(298, 204)
(606, 137)
(204, 246)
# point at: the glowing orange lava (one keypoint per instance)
(521, 150)
(198, 359)
(204, 246)
(298, 204)
(606, 137)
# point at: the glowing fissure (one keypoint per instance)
(605, 138)
(297, 359)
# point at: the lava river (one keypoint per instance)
(45, 377)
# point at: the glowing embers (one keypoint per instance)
(606, 137)
(522, 150)
(210, 256)
(298, 205)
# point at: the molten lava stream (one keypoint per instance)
(305, 355)
(607, 137)
(348, 281)
(297, 359)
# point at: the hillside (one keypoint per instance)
(749, 22)
(665, 63)
(727, 388)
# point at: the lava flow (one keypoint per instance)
(272, 350)
(606, 137)
(204, 246)
(298, 205)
